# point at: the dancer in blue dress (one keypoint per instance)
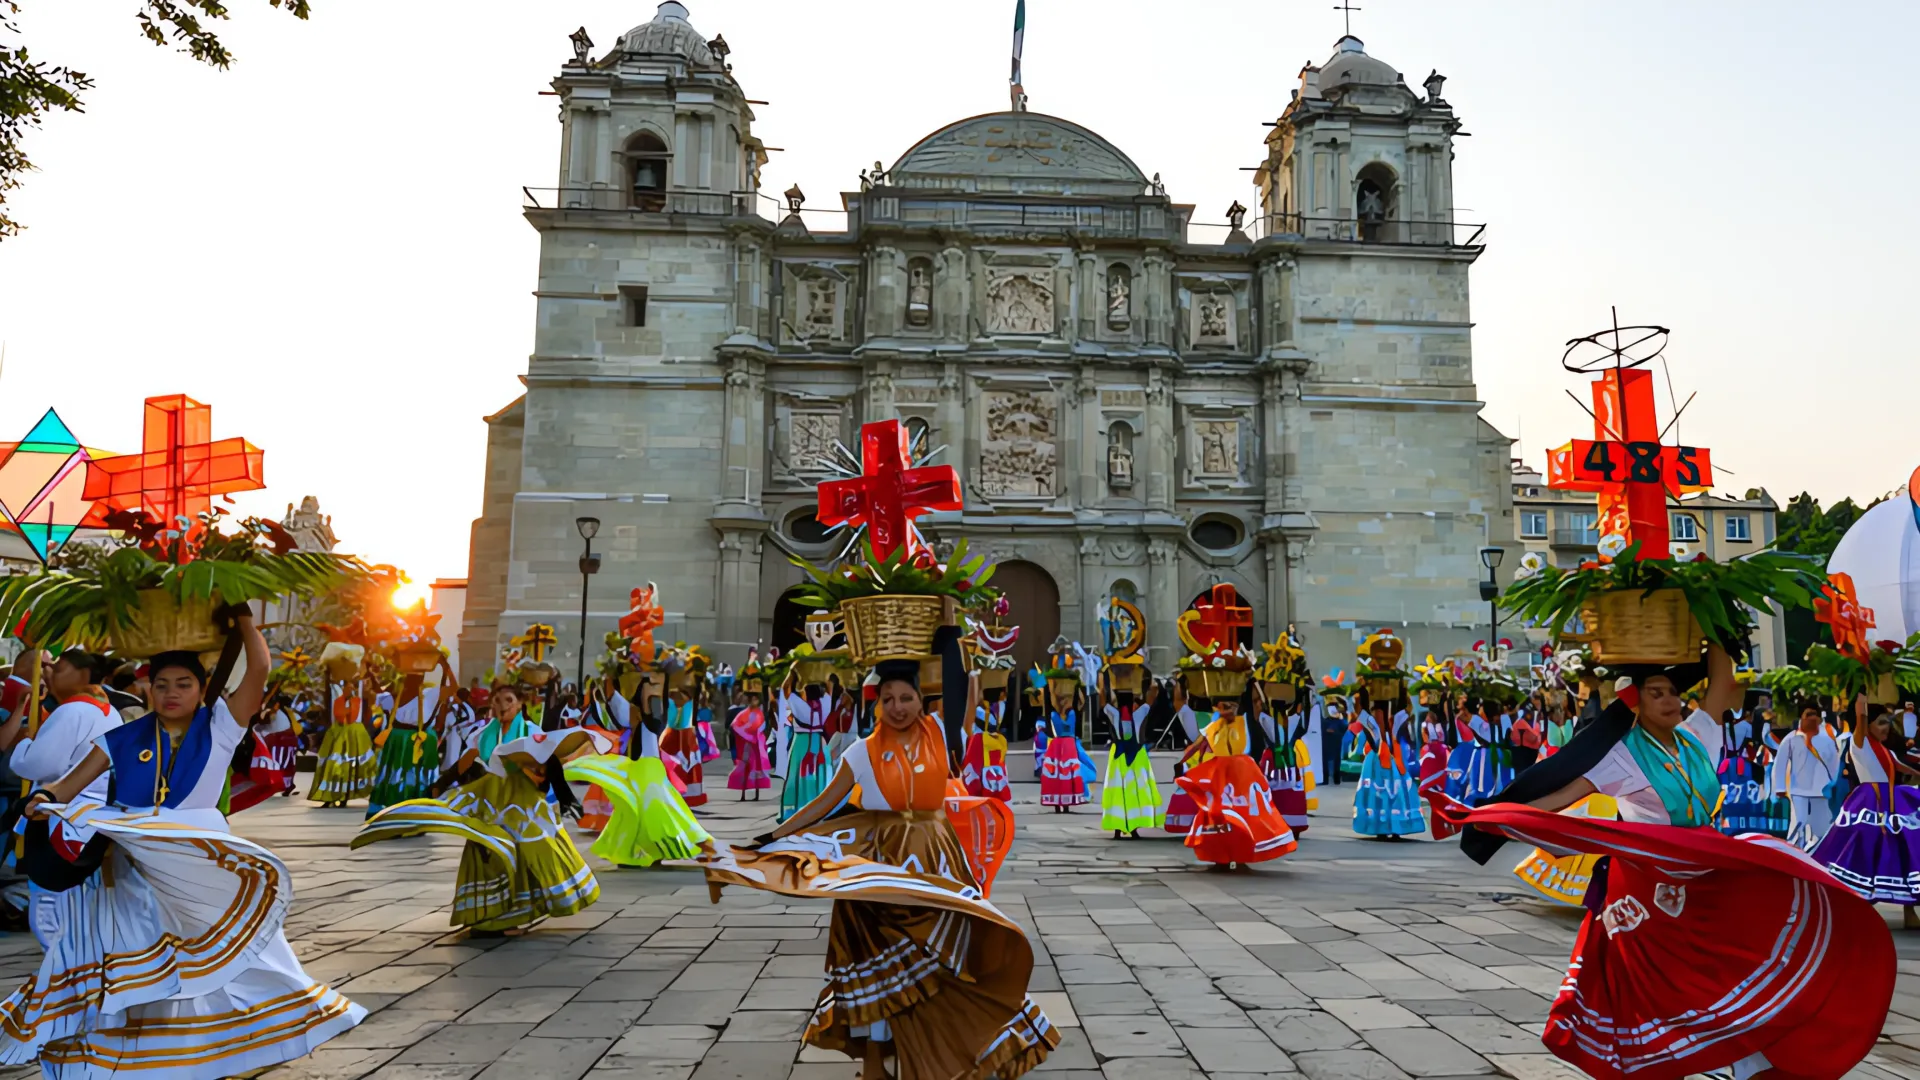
(1386, 805)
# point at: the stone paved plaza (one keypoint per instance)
(1349, 960)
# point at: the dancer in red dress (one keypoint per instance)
(1700, 951)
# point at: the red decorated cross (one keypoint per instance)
(1626, 464)
(180, 467)
(1221, 618)
(889, 493)
(643, 617)
(1838, 605)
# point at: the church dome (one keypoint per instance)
(669, 34)
(1351, 66)
(1019, 152)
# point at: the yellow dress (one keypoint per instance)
(1563, 879)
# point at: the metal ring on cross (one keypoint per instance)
(1615, 347)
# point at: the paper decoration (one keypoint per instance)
(643, 617)
(180, 467)
(1381, 650)
(537, 640)
(1213, 624)
(1626, 464)
(1838, 605)
(1123, 628)
(43, 480)
(888, 495)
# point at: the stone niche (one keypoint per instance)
(919, 315)
(817, 300)
(1018, 444)
(1020, 301)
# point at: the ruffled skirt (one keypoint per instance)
(1287, 783)
(1564, 878)
(269, 770)
(984, 771)
(916, 956)
(681, 752)
(1234, 818)
(346, 765)
(1386, 802)
(1062, 781)
(807, 772)
(649, 821)
(170, 961)
(519, 865)
(1129, 798)
(1707, 951)
(409, 765)
(1874, 844)
(751, 769)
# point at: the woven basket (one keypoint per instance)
(1216, 682)
(342, 668)
(754, 685)
(812, 672)
(1629, 626)
(892, 626)
(677, 679)
(158, 623)
(416, 659)
(1882, 691)
(1280, 693)
(536, 674)
(1127, 677)
(1383, 688)
(995, 678)
(1063, 689)
(1429, 697)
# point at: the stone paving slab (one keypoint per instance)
(1349, 960)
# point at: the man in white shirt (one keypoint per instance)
(1908, 722)
(1804, 768)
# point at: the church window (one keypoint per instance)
(1217, 534)
(916, 433)
(1376, 203)
(647, 160)
(804, 528)
(633, 304)
(1123, 589)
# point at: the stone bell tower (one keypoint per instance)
(1357, 155)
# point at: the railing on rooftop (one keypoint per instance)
(614, 200)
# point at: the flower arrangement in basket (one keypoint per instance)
(160, 587)
(1434, 680)
(1216, 664)
(1380, 672)
(686, 666)
(1124, 631)
(891, 605)
(1283, 672)
(533, 668)
(415, 648)
(752, 678)
(989, 648)
(1657, 611)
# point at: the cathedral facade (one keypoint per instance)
(1137, 405)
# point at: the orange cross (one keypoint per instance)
(1839, 607)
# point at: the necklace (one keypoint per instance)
(1675, 766)
(163, 775)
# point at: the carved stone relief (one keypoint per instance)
(1211, 320)
(1119, 296)
(817, 311)
(1214, 449)
(1120, 456)
(810, 441)
(1017, 449)
(1020, 302)
(1127, 552)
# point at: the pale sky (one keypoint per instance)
(325, 242)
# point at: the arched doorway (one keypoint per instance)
(1245, 633)
(1035, 600)
(789, 621)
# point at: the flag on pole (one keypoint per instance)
(1019, 41)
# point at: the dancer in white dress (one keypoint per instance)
(170, 959)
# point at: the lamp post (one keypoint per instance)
(589, 565)
(1490, 592)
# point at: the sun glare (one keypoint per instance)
(411, 593)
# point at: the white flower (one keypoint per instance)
(1530, 564)
(1219, 661)
(1612, 544)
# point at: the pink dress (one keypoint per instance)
(751, 767)
(1062, 782)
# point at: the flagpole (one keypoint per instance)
(1014, 89)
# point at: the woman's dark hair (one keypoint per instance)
(97, 666)
(906, 671)
(185, 661)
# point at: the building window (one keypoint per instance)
(1533, 524)
(1376, 202)
(916, 434)
(633, 305)
(1739, 529)
(1217, 534)
(804, 528)
(1579, 528)
(1685, 528)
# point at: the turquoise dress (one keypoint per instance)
(808, 769)
(1387, 802)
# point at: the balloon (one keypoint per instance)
(1882, 553)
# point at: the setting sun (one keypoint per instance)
(411, 593)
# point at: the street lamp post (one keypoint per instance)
(589, 565)
(1490, 592)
